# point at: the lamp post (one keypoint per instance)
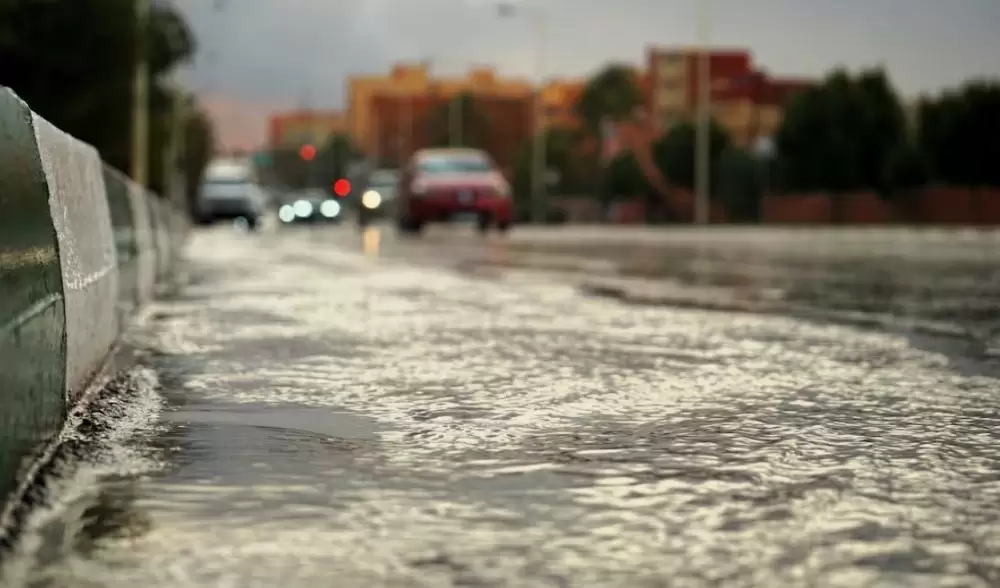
(455, 121)
(173, 179)
(140, 97)
(538, 163)
(703, 148)
(455, 114)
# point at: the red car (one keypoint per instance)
(445, 184)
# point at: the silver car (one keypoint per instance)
(230, 191)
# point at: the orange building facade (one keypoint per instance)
(403, 124)
(304, 127)
(559, 98)
(415, 83)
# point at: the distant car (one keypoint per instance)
(311, 206)
(379, 197)
(230, 191)
(447, 184)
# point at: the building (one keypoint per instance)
(559, 98)
(304, 127)
(402, 124)
(414, 81)
(745, 101)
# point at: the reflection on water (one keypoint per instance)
(113, 514)
(371, 237)
(473, 433)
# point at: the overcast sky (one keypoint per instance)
(257, 56)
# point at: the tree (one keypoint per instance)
(560, 156)
(612, 93)
(333, 159)
(474, 125)
(675, 152)
(843, 135)
(738, 183)
(72, 61)
(199, 145)
(960, 134)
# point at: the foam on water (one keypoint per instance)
(101, 439)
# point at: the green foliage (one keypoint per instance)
(560, 155)
(332, 161)
(199, 143)
(624, 179)
(612, 93)
(73, 62)
(739, 183)
(960, 134)
(474, 124)
(842, 135)
(908, 167)
(675, 153)
(330, 164)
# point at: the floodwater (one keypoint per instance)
(336, 418)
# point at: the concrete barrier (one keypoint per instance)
(81, 250)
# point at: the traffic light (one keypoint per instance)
(307, 152)
(341, 188)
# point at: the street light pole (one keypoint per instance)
(408, 123)
(455, 121)
(172, 175)
(703, 155)
(538, 173)
(538, 164)
(140, 97)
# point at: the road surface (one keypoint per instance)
(345, 410)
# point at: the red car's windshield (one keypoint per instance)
(452, 165)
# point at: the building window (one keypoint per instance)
(671, 84)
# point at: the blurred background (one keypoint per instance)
(647, 112)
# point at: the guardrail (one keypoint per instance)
(82, 249)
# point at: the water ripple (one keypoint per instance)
(370, 424)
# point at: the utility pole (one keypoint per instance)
(173, 179)
(408, 124)
(703, 148)
(140, 96)
(455, 120)
(539, 173)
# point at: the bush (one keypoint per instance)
(842, 135)
(675, 152)
(959, 133)
(738, 184)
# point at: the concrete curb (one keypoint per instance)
(82, 249)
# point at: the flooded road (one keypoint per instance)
(335, 418)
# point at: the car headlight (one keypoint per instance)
(371, 199)
(503, 189)
(329, 208)
(286, 213)
(303, 208)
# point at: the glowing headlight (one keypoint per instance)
(371, 199)
(329, 208)
(303, 208)
(503, 189)
(286, 213)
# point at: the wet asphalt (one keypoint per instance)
(344, 409)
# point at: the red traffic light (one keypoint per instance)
(307, 152)
(341, 188)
